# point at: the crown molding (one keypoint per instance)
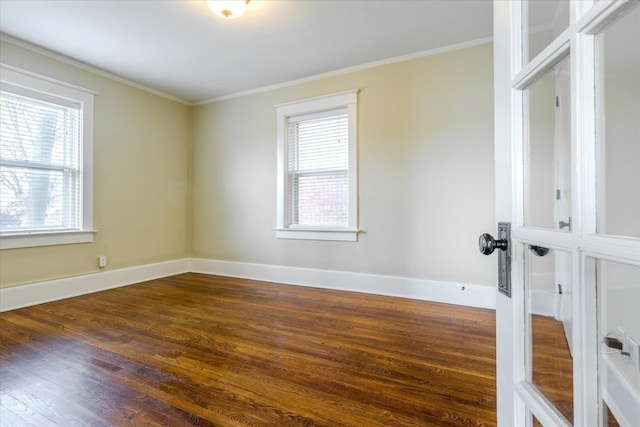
(403, 58)
(394, 60)
(86, 67)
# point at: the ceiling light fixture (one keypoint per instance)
(230, 9)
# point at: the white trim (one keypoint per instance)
(619, 249)
(544, 303)
(544, 411)
(471, 295)
(17, 77)
(318, 103)
(52, 290)
(36, 84)
(67, 60)
(86, 67)
(465, 294)
(509, 321)
(542, 63)
(546, 238)
(394, 60)
(601, 14)
(345, 100)
(337, 235)
(32, 240)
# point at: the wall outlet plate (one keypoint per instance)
(633, 349)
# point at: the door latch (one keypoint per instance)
(488, 245)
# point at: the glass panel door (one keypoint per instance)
(618, 104)
(575, 120)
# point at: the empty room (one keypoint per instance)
(320, 213)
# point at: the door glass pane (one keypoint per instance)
(535, 422)
(548, 150)
(618, 288)
(611, 420)
(619, 127)
(549, 315)
(547, 19)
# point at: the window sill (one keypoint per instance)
(31, 240)
(332, 234)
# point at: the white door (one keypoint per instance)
(567, 160)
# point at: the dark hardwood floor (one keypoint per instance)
(204, 350)
(552, 370)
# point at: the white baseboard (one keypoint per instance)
(52, 290)
(429, 290)
(544, 303)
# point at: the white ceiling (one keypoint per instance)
(180, 48)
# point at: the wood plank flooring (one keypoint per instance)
(552, 370)
(211, 351)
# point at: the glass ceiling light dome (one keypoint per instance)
(230, 9)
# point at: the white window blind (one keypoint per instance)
(318, 169)
(40, 162)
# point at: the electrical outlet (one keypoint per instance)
(102, 261)
(633, 349)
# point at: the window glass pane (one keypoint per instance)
(548, 150)
(36, 199)
(318, 170)
(39, 164)
(38, 131)
(549, 314)
(618, 190)
(547, 19)
(321, 199)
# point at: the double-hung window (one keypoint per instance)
(46, 145)
(317, 176)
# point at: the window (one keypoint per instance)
(317, 176)
(46, 145)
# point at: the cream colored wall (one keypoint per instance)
(141, 175)
(426, 173)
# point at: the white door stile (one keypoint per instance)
(508, 321)
(585, 314)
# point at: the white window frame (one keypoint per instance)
(12, 76)
(284, 228)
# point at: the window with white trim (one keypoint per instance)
(46, 146)
(317, 168)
